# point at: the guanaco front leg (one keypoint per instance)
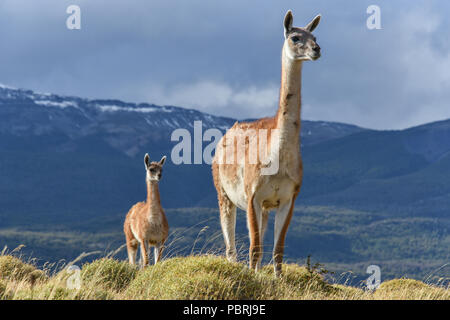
(282, 220)
(254, 214)
(158, 250)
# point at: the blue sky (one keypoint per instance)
(223, 57)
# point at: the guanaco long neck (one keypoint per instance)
(153, 199)
(289, 110)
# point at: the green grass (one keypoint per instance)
(196, 277)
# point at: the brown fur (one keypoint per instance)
(146, 224)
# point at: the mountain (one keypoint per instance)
(87, 154)
(403, 172)
(125, 127)
(70, 168)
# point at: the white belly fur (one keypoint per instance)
(234, 188)
(275, 191)
(272, 191)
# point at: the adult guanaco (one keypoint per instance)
(242, 184)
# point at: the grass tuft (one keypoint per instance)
(108, 274)
(196, 277)
(201, 277)
(14, 269)
(410, 289)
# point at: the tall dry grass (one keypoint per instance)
(204, 276)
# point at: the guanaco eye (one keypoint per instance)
(295, 39)
(152, 170)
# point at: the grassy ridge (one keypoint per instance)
(194, 277)
(343, 239)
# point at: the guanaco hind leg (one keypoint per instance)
(262, 231)
(254, 219)
(132, 248)
(132, 244)
(228, 223)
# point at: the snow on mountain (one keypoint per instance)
(123, 125)
(63, 104)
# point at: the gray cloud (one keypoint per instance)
(224, 57)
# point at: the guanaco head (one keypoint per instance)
(300, 43)
(154, 169)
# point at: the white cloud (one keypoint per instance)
(424, 66)
(218, 98)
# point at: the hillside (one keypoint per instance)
(398, 172)
(70, 168)
(205, 277)
(71, 141)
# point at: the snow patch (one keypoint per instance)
(3, 86)
(49, 103)
(113, 108)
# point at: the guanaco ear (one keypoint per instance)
(288, 20)
(313, 24)
(163, 159)
(146, 160)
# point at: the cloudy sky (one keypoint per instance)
(223, 57)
